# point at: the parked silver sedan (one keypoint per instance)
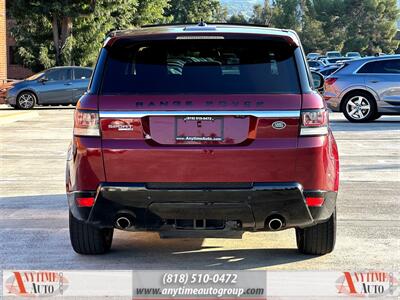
(59, 85)
(365, 89)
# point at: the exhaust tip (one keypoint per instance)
(123, 223)
(275, 224)
(125, 220)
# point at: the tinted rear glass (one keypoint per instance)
(201, 66)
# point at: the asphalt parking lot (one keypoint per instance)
(34, 214)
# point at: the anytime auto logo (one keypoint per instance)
(36, 283)
(368, 284)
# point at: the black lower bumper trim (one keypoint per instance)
(156, 208)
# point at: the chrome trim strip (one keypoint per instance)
(254, 113)
(304, 131)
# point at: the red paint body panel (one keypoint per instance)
(258, 156)
(269, 155)
(313, 101)
(88, 102)
(262, 161)
(317, 163)
(85, 164)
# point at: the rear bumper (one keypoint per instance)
(160, 207)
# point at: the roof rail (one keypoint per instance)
(115, 32)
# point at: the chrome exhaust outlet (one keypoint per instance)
(125, 220)
(123, 223)
(275, 224)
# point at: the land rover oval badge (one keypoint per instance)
(279, 125)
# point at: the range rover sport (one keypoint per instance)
(202, 131)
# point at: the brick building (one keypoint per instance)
(14, 70)
(3, 45)
(8, 66)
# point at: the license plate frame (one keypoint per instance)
(204, 120)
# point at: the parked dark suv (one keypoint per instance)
(202, 131)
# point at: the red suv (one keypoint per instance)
(202, 131)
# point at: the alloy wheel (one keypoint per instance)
(26, 101)
(358, 107)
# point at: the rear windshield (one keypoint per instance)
(201, 66)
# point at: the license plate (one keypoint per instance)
(199, 128)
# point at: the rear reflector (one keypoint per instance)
(84, 201)
(86, 123)
(315, 201)
(314, 131)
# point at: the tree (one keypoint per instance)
(286, 14)
(151, 12)
(331, 15)
(192, 11)
(65, 32)
(312, 33)
(371, 26)
(262, 14)
(237, 19)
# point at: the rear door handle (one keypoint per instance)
(68, 83)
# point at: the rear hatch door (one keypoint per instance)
(200, 111)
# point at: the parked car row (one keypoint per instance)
(327, 66)
(363, 89)
(55, 86)
(333, 54)
(329, 63)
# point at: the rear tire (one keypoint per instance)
(88, 239)
(318, 239)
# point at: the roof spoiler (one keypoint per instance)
(292, 40)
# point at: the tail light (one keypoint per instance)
(330, 80)
(86, 123)
(314, 122)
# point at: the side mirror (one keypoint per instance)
(318, 80)
(43, 80)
